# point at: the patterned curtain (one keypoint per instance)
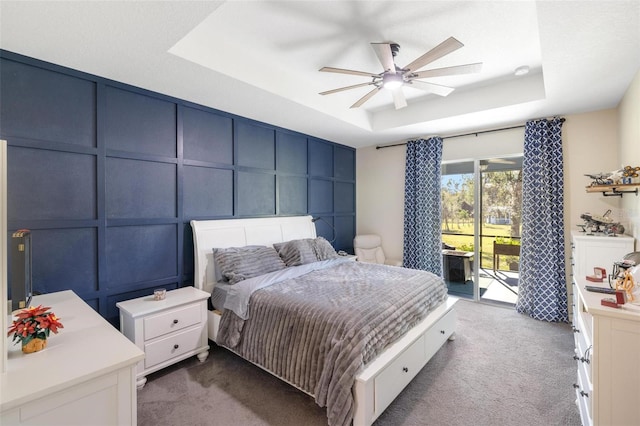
(422, 206)
(542, 286)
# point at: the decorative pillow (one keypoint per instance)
(303, 251)
(240, 263)
(296, 252)
(324, 249)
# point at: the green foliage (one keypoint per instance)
(507, 240)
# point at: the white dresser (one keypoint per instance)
(607, 341)
(85, 375)
(599, 250)
(168, 330)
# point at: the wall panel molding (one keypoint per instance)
(107, 176)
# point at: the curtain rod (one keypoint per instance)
(464, 134)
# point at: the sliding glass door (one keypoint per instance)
(481, 222)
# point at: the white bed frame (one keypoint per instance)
(378, 384)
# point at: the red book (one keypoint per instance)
(594, 279)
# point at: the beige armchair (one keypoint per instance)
(368, 248)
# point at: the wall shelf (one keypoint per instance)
(615, 190)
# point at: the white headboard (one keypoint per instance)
(210, 234)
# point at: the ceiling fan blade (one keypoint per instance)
(455, 70)
(350, 72)
(385, 56)
(444, 48)
(328, 92)
(399, 99)
(365, 98)
(430, 87)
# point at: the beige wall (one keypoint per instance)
(629, 125)
(380, 180)
(590, 145)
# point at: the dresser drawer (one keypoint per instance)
(174, 345)
(170, 321)
(584, 396)
(439, 332)
(398, 374)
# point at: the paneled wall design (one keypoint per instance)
(108, 176)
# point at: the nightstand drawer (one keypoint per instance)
(170, 321)
(171, 346)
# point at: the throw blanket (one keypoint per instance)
(318, 330)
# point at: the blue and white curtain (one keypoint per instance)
(422, 206)
(542, 287)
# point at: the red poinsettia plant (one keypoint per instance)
(34, 323)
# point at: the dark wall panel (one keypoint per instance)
(47, 105)
(64, 259)
(320, 196)
(141, 253)
(345, 163)
(208, 192)
(255, 146)
(256, 194)
(107, 176)
(344, 197)
(207, 136)
(292, 192)
(140, 123)
(345, 231)
(140, 189)
(320, 158)
(292, 153)
(48, 185)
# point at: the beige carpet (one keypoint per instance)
(503, 369)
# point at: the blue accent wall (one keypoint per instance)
(107, 177)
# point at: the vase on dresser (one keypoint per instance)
(34, 345)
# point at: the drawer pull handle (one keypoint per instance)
(576, 358)
(575, 330)
(583, 359)
(405, 369)
(175, 321)
(442, 331)
(176, 346)
(585, 394)
(576, 386)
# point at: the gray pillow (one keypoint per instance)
(296, 252)
(324, 249)
(303, 251)
(240, 263)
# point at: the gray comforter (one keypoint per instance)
(319, 329)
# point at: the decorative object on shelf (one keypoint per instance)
(159, 293)
(630, 172)
(615, 183)
(595, 223)
(32, 327)
(598, 276)
(626, 284)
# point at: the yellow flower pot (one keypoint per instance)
(34, 345)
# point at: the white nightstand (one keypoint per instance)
(168, 330)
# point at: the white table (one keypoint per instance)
(85, 375)
(168, 330)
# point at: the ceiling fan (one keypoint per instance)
(394, 77)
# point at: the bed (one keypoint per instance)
(372, 386)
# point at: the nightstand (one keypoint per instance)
(168, 330)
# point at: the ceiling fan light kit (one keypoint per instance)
(392, 81)
(394, 77)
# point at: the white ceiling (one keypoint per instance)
(260, 59)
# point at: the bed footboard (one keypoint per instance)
(383, 379)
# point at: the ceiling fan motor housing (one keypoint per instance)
(395, 48)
